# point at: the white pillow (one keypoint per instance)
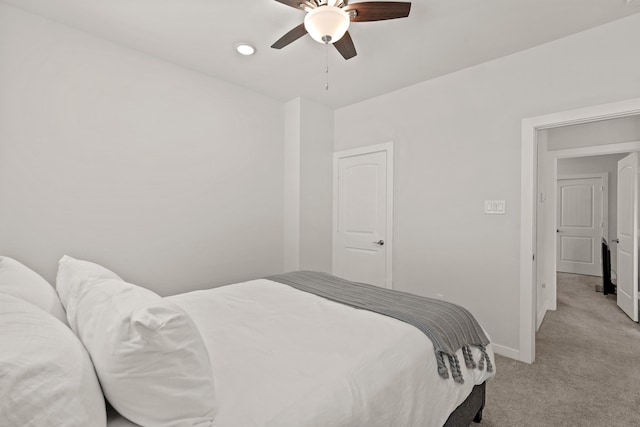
(148, 353)
(46, 376)
(71, 273)
(20, 281)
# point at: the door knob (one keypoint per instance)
(616, 241)
(379, 242)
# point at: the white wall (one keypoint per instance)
(308, 186)
(316, 187)
(292, 143)
(457, 143)
(171, 178)
(599, 164)
(613, 131)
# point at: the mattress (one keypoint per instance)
(286, 358)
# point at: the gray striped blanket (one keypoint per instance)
(448, 326)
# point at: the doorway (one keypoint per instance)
(622, 203)
(529, 197)
(590, 178)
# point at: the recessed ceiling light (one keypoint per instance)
(245, 49)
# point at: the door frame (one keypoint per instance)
(528, 198)
(386, 147)
(605, 211)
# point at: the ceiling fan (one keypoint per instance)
(327, 21)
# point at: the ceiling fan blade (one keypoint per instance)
(345, 46)
(378, 10)
(290, 37)
(298, 4)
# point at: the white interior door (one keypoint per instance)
(627, 239)
(580, 225)
(362, 250)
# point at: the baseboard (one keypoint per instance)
(505, 351)
(540, 316)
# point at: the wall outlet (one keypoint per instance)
(544, 285)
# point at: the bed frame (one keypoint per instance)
(470, 410)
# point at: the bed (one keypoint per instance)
(280, 356)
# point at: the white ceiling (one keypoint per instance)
(439, 36)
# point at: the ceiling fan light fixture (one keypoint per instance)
(326, 24)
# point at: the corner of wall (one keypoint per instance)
(291, 238)
(308, 185)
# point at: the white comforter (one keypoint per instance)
(285, 358)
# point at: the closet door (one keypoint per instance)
(580, 225)
(362, 223)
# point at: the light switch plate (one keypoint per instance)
(496, 207)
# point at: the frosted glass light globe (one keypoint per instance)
(326, 24)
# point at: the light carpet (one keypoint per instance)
(587, 368)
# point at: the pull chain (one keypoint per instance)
(326, 70)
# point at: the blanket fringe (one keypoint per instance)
(468, 357)
(454, 363)
(483, 349)
(442, 367)
(455, 369)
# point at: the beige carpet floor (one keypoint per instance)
(587, 368)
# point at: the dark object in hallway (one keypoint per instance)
(608, 287)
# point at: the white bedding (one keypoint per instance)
(286, 358)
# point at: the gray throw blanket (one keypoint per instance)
(448, 326)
